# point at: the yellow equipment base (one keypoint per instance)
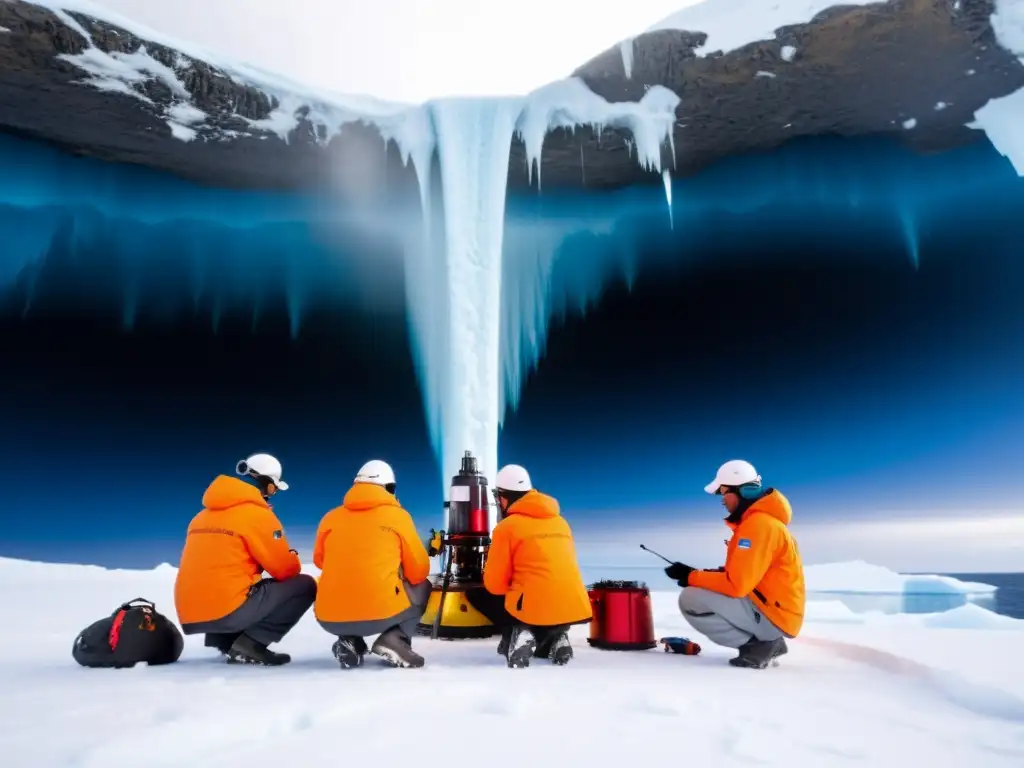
(459, 619)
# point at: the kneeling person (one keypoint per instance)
(532, 576)
(757, 600)
(374, 572)
(220, 590)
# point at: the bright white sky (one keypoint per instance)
(405, 50)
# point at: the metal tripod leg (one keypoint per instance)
(446, 581)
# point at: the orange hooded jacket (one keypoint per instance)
(364, 548)
(532, 561)
(228, 546)
(763, 562)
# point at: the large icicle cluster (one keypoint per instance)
(454, 290)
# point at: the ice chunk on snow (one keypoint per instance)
(940, 105)
(842, 707)
(858, 577)
(910, 124)
(731, 24)
(967, 616)
(788, 53)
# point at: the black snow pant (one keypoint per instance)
(493, 607)
(270, 611)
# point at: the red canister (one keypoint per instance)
(623, 620)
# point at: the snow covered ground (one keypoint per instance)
(870, 690)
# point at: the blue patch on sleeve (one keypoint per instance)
(743, 544)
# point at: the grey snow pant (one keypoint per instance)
(726, 621)
(406, 621)
(269, 613)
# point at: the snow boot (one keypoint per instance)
(245, 650)
(221, 642)
(560, 651)
(506, 639)
(759, 654)
(520, 648)
(396, 649)
(349, 651)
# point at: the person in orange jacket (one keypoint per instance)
(374, 571)
(220, 590)
(757, 599)
(534, 589)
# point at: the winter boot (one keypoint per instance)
(245, 650)
(560, 651)
(506, 639)
(520, 648)
(396, 649)
(222, 642)
(349, 651)
(758, 654)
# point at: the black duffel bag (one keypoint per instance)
(133, 634)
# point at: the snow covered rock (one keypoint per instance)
(863, 68)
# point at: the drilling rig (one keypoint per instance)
(463, 550)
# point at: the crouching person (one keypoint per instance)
(534, 589)
(220, 590)
(757, 600)
(374, 572)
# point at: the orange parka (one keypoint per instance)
(364, 549)
(763, 562)
(228, 546)
(532, 561)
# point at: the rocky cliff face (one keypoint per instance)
(914, 69)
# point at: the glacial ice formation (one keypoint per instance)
(458, 337)
(477, 308)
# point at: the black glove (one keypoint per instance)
(433, 543)
(294, 552)
(679, 573)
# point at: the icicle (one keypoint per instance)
(626, 48)
(666, 178)
(908, 228)
(474, 142)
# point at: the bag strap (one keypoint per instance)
(138, 602)
(115, 629)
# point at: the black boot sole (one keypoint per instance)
(520, 657)
(238, 658)
(395, 659)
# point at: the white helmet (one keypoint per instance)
(376, 472)
(263, 464)
(512, 477)
(734, 473)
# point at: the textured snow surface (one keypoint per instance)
(880, 692)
